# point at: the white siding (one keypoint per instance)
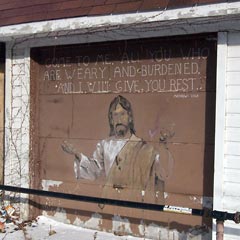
(232, 162)
(232, 134)
(231, 185)
(233, 63)
(233, 120)
(231, 189)
(233, 91)
(233, 106)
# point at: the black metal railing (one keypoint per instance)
(218, 215)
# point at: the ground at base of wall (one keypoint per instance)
(46, 228)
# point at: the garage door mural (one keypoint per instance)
(130, 120)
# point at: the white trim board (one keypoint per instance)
(220, 120)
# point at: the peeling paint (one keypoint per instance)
(218, 10)
(156, 232)
(78, 222)
(196, 199)
(50, 183)
(199, 233)
(165, 195)
(207, 202)
(121, 225)
(60, 215)
(94, 222)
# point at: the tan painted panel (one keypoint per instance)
(160, 149)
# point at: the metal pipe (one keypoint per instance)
(220, 230)
(219, 215)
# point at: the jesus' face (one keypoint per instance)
(121, 121)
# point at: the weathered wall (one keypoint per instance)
(16, 11)
(172, 92)
(16, 170)
(17, 145)
(17, 132)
